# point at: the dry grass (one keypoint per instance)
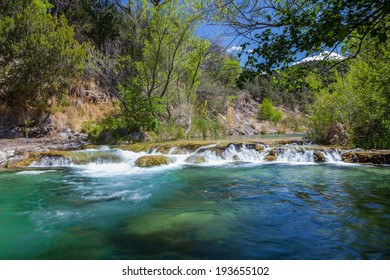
(75, 115)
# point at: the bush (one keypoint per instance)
(39, 57)
(268, 112)
(138, 112)
(278, 116)
(359, 100)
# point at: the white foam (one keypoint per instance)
(34, 172)
(212, 155)
(125, 195)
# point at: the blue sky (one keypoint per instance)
(223, 35)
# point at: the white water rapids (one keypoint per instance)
(207, 155)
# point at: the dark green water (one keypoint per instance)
(233, 211)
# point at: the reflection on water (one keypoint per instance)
(236, 211)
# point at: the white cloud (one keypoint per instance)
(322, 56)
(234, 49)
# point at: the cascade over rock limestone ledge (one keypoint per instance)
(204, 152)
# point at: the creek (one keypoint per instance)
(231, 205)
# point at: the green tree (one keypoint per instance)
(230, 71)
(97, 21)
(277, 31)
(218, 85)
(360, 100)
(39, 57)
(168, 70)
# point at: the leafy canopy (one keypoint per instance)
(280, 32)
(360, 99)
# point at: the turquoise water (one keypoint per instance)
(228, 211)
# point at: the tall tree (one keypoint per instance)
(167, 71)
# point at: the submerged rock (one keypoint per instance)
(196, 159)
(149, 161)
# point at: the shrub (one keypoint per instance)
(268, 112)
(278, 116)
(39, 57)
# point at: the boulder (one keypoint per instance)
(195, 159)
(337, 135)
(319, 156)
(270, 158)
(150, 161)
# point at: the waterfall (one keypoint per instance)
(211, 154)
(53, 161)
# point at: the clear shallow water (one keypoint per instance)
(229, 211)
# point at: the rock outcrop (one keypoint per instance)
(375, 157)
(337, 135)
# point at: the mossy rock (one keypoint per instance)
(369, 157)
(218, 151)
(168, 149)
(79, 158)
(38, 156)
(270, 158)
(196, 159)
(30, 158)
(99, 157)
(150, 161)
(272, 152)
(349, 157)
(319, 156)
(259, 148)
(366, 157)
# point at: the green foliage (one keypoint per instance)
(268, 112)
(230, 71)
(278, 116)
(282, 30)
(205, 124)
(40, 57)
(138, 111)
(164, 78)
(218, 85)
(360, 100)
(98, 21)
(43, 5)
